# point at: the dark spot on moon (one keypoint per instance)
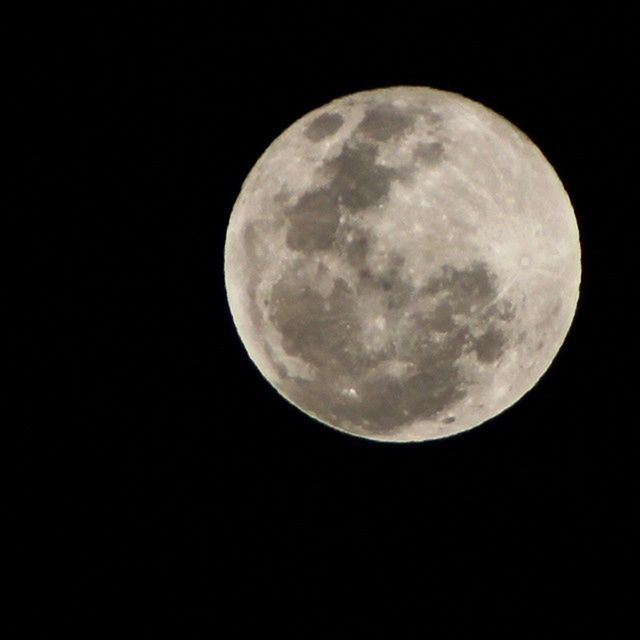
(323, 126)
(356, 250)
(420, 344)
(433, 389)
(433, 383)
(382, 123)
(356, 182)
(282, 196)
(396, 260)
(465, 289)
(313, 221)
(353, 384)
(490, 345)
(386, 283)
(399, 296)
(326, 332)
(397, 292)
(356, 179)
(388, 402)
(443, 318)
(503, 310)
(429, 153)
(471, 291)
(321, 331)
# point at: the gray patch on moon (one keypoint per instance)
(282, 196)
(469, 292)
(327, 332)
(395, 292)
(490, 345)
(389, 402)
(443, 318)
(321, 331)
(382, 123)
(503, 310)
(323, 126)
(313, 221)
(355, 244)
(356, 179)
(429, 153)
(356, 182)
(357, 250)
(465, 288)
(385, 283)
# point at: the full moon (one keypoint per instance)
(402, 264)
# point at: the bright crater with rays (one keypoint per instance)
(402, 264)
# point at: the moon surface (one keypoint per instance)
(402, 264)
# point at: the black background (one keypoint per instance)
(161, 483)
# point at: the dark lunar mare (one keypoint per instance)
(327, 334)
(356, 183)
(356, 180)
(323, 126)
(383, 122)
